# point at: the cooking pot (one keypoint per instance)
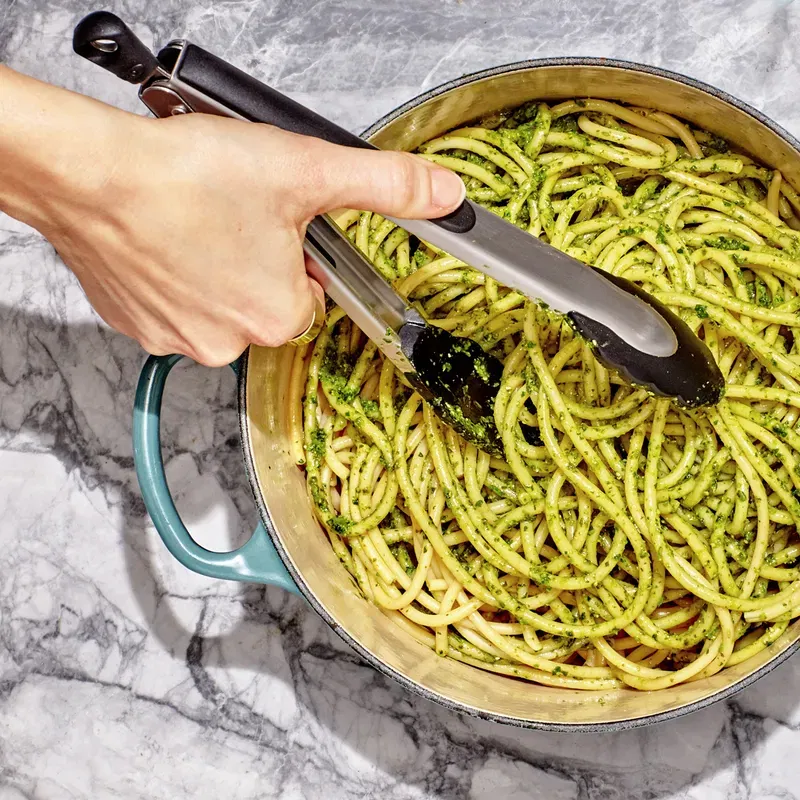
(289, 549)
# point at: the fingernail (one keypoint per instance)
(447, 189)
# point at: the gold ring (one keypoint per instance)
(314, 327)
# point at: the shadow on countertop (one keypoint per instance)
(339, 698)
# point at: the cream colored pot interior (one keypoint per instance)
(282, 486)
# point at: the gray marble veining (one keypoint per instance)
(123, 675)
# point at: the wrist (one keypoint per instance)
(57, 151)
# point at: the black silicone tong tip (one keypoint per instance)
(690, 375)
(458, 379)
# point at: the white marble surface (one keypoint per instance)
(122, 675)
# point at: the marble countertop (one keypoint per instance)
(122, 675)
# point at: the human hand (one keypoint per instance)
(186, 233)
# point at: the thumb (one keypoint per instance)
(391, 183)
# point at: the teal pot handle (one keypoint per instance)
(257, 561)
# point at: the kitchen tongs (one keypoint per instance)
(629, 330)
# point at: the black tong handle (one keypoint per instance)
(257, 102)
(106, 40)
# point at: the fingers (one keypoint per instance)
(210, 327)
(291, 318)
(216, 345)
(390, 183)
(219, 339)
(211, 348)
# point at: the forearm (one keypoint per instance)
(54, 148)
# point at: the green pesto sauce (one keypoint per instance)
(318, 443)
(341, 524)
(726, 243)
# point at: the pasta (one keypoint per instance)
(621, 540)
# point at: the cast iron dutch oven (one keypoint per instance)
(288, 549)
